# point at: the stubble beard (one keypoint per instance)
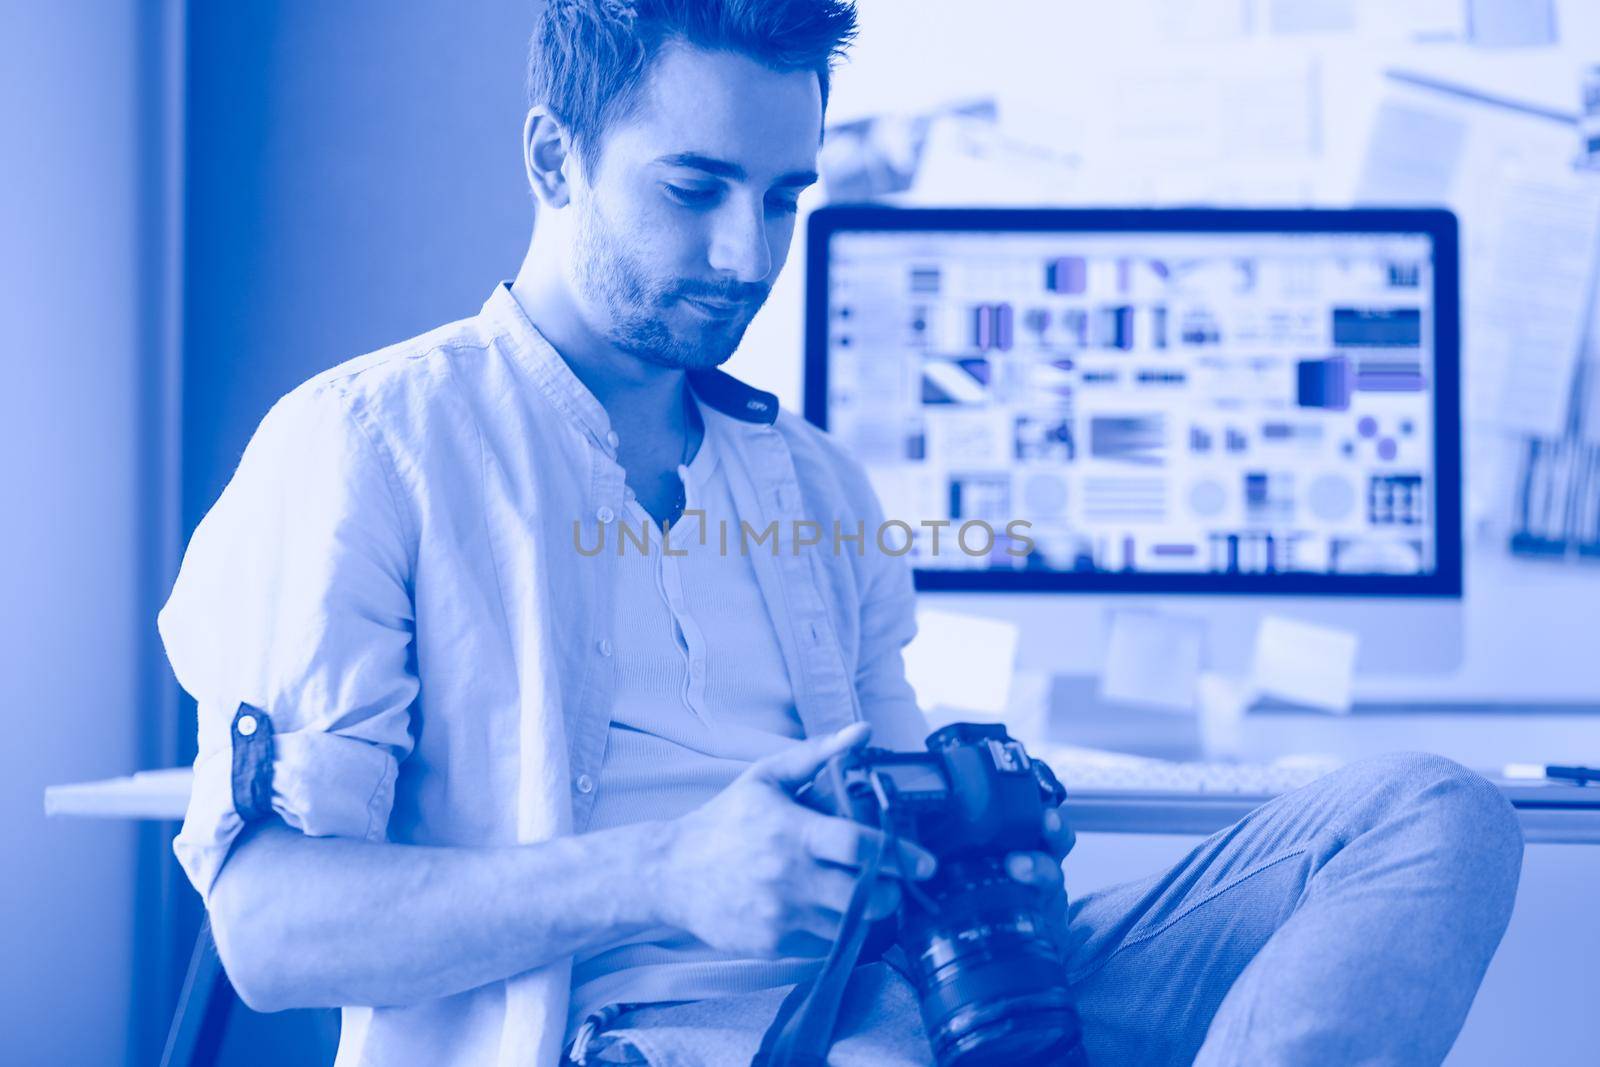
(634, 307)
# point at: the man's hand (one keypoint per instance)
(752, 871)
(1042, 870)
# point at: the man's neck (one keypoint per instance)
(633, 391)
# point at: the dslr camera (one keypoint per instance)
(980, 946)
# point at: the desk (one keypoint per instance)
(1574, 818)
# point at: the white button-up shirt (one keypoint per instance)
(399, 576)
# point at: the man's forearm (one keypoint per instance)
(313, 922)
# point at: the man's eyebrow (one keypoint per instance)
(721, 168)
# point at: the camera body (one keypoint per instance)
(981, 948)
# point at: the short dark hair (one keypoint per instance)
(588, 58)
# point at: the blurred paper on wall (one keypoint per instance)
(1236, 124)
(1153, 659)
(1528, 321)
(1263, 106)
(1412, 156)
(976, 152)
(1530, 225)
(1203, 21)
(1311, 16)
(1418, 21)
(965, 162)
(877, 157)
(1511, 23)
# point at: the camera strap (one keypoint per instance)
(803, 1030)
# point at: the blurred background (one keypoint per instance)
(206, 203)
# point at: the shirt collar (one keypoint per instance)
(717, 389)
(544, 364)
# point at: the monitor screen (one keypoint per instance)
(1237, 401)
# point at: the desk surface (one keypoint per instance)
(1570, 816)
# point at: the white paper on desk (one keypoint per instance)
(962, 661)
(1223, 701)
(1304, 663)
(1153, 659)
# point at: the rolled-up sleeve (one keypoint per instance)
(293, 598)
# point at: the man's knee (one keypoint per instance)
(1463, 816)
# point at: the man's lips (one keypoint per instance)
(717, 309)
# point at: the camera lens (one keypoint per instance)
(991, 984)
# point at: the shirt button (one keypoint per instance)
(612, 439)
(247, 725)
(605, 514)
(604, 645)
(585, 784)
(696, 667)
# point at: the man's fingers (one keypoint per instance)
(833, 887)
(848, 844)
(1057, 834)
(885, 899)
(1037, 869)
(796, 766)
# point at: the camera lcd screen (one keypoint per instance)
(913, 777)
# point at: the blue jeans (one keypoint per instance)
(1348, 922)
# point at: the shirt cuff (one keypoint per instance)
(323, 784)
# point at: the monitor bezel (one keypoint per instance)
(1438, 224)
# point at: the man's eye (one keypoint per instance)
(783, 204)
(690, 197)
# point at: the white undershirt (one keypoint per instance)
(701, 692)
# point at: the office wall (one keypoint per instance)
(354, 177)
(70, 431)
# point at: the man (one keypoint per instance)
(504, 797)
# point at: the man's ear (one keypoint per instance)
(548, 157)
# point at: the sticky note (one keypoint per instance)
(1304, 663)
(962, 661)
(1223, 701)
(1153, 659)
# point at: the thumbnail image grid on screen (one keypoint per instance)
(1215, 404)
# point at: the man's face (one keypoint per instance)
(682, 230)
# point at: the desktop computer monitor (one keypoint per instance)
(1218, 412)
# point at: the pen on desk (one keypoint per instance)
(1576, 775)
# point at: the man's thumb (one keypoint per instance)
(796, 766)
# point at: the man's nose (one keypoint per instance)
(739, 246)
